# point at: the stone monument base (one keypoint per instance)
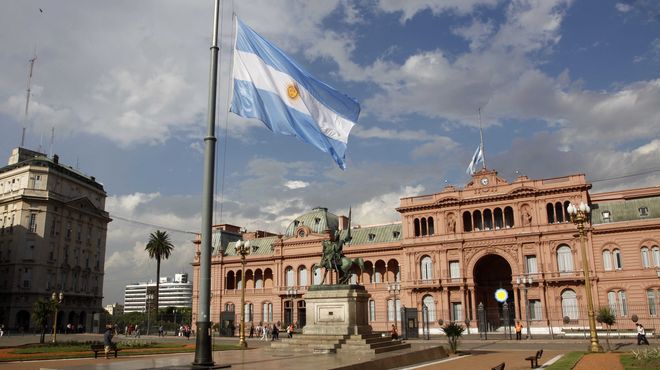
(337, 310)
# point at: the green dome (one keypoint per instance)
(319, 220)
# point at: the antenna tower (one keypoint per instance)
(27, 98)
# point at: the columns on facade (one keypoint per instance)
(516, 300)
(473, 296)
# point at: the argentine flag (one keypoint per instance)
(477, 157)
(272, 88)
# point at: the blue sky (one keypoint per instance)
(564, 87)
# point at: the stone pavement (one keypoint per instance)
(485, 354)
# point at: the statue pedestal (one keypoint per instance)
(337, 310)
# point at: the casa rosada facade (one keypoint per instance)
(452, 250)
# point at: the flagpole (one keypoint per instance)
(203, 353)
(481, 141)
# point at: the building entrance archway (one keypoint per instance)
(492, 272)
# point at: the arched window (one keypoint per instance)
(488, 219)
(431, 226)
(467, 222)
(618, 302)
(267, 312)
(564, 259)
(566, 215)
(229, 307)
(477, 221)
(616, 257)
(429, 303)
(424, 231)
(416, 223)
(550, 209)
(372, 310)
(258, 279)
(290, 277)
(239, 280)
(378, 277)
(499, 220)
(607, 260)
(569, 304)
(651, 300)
(302, 276)
(317, 275)
(427, 268)
(508, 217)
(249, 312)
(393, 308)
(645, 258)
(656, 255)
(559, 212)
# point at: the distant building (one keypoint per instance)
(176, 292)
(53, 227)
(115, 309)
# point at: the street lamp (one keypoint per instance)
(150, 296)
(394, 289)
(243, 249)
(525, 282)
(579, 216)
(56, 299)
(291, 294)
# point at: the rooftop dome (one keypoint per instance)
(318, 220)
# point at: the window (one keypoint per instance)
(569, 304)
(618, 302)
(424, 229)
(564, 259)
(302, 276)
(550, 210)
(651, 300)
(378, 277)
(372, 310)
(33, 222)
(229, 307)
(535, 309)
(508, 217)
(427, 268)
(606, 216)
(393, 308)
(456, 311)
(267, 312)
(248, 312)
(395, 234)
(239, 280)
(431, 226)
(354, 278)
(530, 265)
(656, 255)
(317, 275)
(643, 211)
(258, 282)
(454, 270)
(607, 260)
(467, 222)
(429, 303)
(618, 263)
(416, 223)
(372, 237)
(290, 277)
(645, 258)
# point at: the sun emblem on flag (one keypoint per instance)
(292, 91)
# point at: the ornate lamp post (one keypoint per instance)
(579, 216)
(394, 289)
(242, 249)
(56, 299)
(525, 282)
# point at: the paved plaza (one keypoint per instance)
(482, 355)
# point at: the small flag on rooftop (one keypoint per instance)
(271, 87)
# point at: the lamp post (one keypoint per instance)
(291, 294)
(394, 289)
(579, 216)
(242, 249)
(56, 299)
(525, 282)
(149, 298)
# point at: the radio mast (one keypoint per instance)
(27, 98)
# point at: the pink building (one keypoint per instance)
(453, 249)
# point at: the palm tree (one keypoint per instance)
(42, 311)
(159, 247)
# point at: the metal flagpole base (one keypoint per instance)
(203, 355)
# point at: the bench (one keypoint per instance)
(498, 367)
(534, 360)
(101, 348)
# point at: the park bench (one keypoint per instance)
(534, 360)
(498, 367)
(101, 348)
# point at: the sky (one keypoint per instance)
(564, 87)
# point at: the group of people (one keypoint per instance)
(270, 331)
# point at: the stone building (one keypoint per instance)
(453, 250)
(53, 227)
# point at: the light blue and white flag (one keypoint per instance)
(477, 157)
(271, 87)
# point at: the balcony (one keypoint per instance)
(557, 276)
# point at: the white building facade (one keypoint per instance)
(174, 292)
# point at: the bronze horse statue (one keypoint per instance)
(333, 257)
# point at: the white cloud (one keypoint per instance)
(622, 7)
(410, 8)
(293, 184)
(381, 208)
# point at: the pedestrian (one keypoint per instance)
(289, 330)
(641, 335)
(264, 333)
(394, 333)
(107, 339)
(251, 330)
(275, 333)
(186, 331)
(161, 331)
(137, 331)
(519, 327)
(181, 330)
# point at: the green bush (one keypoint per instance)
(453, 331)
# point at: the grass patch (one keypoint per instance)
(630, 363)
(567, 361)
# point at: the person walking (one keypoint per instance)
(251, 330)
(289, 330)
(519, 327)
(641, 335)
(394, 333)
(275, 333)
(107, 339)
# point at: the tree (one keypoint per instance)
(159, 247)
(453, 331)
(606, 316)
(42, 311)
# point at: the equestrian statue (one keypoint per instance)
(333, 258)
